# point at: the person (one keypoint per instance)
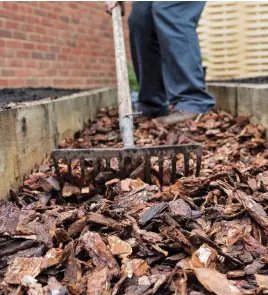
(167, 59)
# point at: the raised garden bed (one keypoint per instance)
(102, 235)
(31, 129)
(253, 80)
(9, 97)
(243, 97)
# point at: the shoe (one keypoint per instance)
(176, 117)
(150, 112)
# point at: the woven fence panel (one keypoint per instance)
(256, 38)
(234, 39)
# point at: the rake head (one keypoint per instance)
(132, 154)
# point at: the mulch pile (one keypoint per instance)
(102, 235)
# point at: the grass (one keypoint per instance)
(133, 83)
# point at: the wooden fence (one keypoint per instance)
(234, 39)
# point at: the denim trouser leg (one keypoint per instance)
(146, 59)
(166, 56)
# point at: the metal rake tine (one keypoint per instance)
(186, 163)
(198, 162)
(103, 164)
(161, 168)
(56, 165)
(133, 163)
(96, 166)
(147, 169)
(82, 165)
(121, 166)
(134, 153)
(108, 163)
(173, 167)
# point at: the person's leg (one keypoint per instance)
(147, 60)
(183, 75)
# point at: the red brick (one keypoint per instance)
(35, 38)
(64, 73)
(40, 30)
(7, 52)
(5, 33)
(75, 20)
(24, 72)
(16, 83)
(33, 3)
(44, 64)
(51, 72)
(19, 35)
(32, 82)
(48, 82)
(64, 18)
(59, 82)
(7, 73)
(54, 49)
(48, 22)
(4, 83)
(66, 44)
(40, 12)
(63, 57)
(42, 46)
(48, 39)
(33, 19)
(14, 63)
(37, 55)
(12, 25)
(73, 5)
(66, 50)
(45, 5)
(50, 56)
(29, 45)
(25, 8)
(52, 32)
(3, 62)
(10, 43)
(26, 27)
(23, 54)
(30, 63)
(10, 5)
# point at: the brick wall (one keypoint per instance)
(58, 44)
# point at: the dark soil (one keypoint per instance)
(253, 80)
(17, 95)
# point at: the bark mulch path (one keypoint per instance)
(102, 235)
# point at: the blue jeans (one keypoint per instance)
(166, 56)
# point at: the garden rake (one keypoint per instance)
(129, 151)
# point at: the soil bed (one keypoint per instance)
(17, 95)
(102, 235)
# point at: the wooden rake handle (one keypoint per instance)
(124, 100)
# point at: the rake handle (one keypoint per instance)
(124, 100)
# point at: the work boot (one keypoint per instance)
(152, 112)
(179, 116)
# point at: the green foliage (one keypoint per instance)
(133, 83)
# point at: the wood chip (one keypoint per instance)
(99, 252)
(102, 235)
(70, 190)
(119, 247)
(23, 267)
(205, 256)
(262, 281)
(215, 282)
